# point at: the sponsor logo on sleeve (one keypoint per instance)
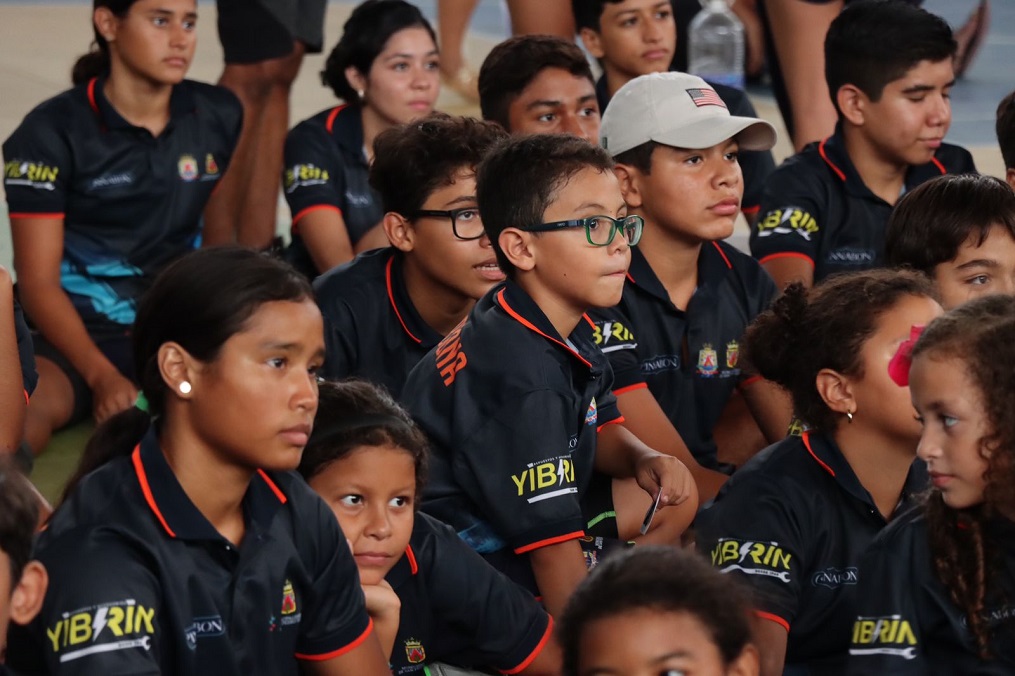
(851, 256)
(102, 628)
(303, 176)
(835, 577)
(547, 479)
(611, 336)
(450, 356)
(752, 557)
(884, 635)
(30, 174)
(787, 221)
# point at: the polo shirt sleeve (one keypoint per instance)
(26, 351)
(886, 636)
(335, 618)
(617, 338)
(340, 353)
(102, 612)
(752, 532)
(481, 618)
(37, 168)
(517, 468)
(789, 220)
(312, 177)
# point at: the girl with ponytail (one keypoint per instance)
(794, 521)
(938, 594)
(186, 544)
(106, 184)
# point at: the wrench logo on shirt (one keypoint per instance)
(752, 557)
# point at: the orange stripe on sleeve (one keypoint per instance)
(20, 214)
(535, 653)
(615, 421)
(551, 541)
(317, 207)
(341, 651)
(772, 618)
(787, 254)
(629, 388)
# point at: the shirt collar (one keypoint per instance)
(713, 266)
(404, 569)
(520, 306)
(824, 451)
(833, 151)
(181, 102)
(174, 511)
(345, 123)
(412, 324)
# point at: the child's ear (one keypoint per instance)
(399, 230)
(593, 43)
(630, 185)
(356, 80)
(29, 593)
(853, 104)
(517, 247)
(748, 663)
(836, 390)
(177, 367)
(105, 23)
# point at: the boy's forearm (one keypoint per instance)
(618, 452)
(558, 570)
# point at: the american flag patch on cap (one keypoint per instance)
(705, 97)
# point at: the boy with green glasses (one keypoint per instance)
(387, 308)
(517, 400)
(673, 340)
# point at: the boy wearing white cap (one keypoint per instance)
(673, 340)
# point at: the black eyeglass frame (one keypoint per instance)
(453, 214)
(619, 225)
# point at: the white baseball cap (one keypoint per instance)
(679, 110)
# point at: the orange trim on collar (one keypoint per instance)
(806, 436)
(723, 254)
(940, 167)
(529, 325)
(535, 652)
(329, 125)
(146, 489)
(91, 95)
(750, 211)
(274, 488)
(391, 298)
(409, 554)
(821, 151)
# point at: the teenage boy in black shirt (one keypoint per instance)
(638, 37)
(673, 340)
(387, 308)
(516, 401)
(889, 68)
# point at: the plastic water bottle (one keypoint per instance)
(716, 45)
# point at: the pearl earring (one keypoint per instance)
(185, 387)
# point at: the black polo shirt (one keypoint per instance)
(141, 583)
(816, 207)
(906, 622)
(26, 352)
(756, 165)
(457, 608)
(130, 202)
(512, 411)
(793, 523)
(689, 359)
(326, 168)
(371, 328)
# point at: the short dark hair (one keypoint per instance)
(19, 514)
(587, 13)
(639, 157)
(807, 330)
(354, 413)
(513, 64)
(414, 159)
(1005, 128)
(931, 222)
(518, 180)
(663, 579)
(875, 42)
(364, 35)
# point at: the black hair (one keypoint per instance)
(806, 331)
(96, 61)
(931, 222)
(587, 13)
(964, 550)
(198, 302)
(663, 579)
(639, 157)
(513, 64)
(413, 160)
(356, 413)
(19, 514)
(518, 180)
(364, 35)
(1005, 128)
(874, 42)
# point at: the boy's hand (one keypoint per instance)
(658, 471)
(384, 608)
